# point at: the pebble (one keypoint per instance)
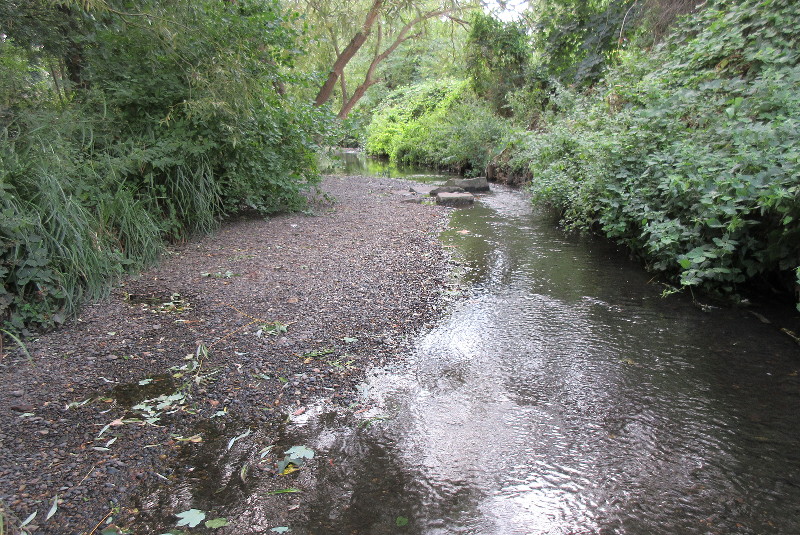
(71, 468)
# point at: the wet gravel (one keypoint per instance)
(292, 309)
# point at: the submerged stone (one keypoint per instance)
(455, 199)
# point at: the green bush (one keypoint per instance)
(403, 107)
(437, 124)
(689, 157)
(157, 132)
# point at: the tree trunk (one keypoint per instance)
(347, 54)
(353, 100)
(369, 79)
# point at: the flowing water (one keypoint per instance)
(563, 395)
(567, 396)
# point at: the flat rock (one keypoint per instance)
(422, 189)
(445, 189)
(469, 184)
(455, 199)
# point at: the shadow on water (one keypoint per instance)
(563, 396)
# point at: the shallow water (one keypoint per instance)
(567, 396)
(564, 395)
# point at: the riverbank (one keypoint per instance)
(238, 330)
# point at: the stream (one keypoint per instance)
(567, 396)
(563, 394)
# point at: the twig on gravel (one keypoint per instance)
(101, 522)
(87, 475)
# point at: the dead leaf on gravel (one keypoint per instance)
(463, 232)
(293, 300)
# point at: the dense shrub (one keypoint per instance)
(441, 124)
(689, 156)
(166, 122)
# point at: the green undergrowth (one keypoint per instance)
(689, 154)
(436, 123)
(164, 129)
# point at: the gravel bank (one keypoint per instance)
(292, 309)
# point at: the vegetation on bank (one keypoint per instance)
(127, 124)
(436, 123)
(689, 154)
(130, 124)
(686, 152)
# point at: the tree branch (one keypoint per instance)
(402, 37)
(347, 54)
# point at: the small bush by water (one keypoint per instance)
(439, 124)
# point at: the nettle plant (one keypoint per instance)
(694, 163)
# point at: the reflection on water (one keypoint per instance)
(566, 396)
(355, 163)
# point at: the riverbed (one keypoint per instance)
(565, 394)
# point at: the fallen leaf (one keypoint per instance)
(293, 300)
(53, 508)
(290, 490)
(29, 519)
(299, 411)
(234, 439)
(216, 523)
(190, 518)
(300, 452)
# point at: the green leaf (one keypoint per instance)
(190, 518)
(401, 521)
(290, 490)
(53, 508)
(282, 529)
(216, 523)
(299, 452)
